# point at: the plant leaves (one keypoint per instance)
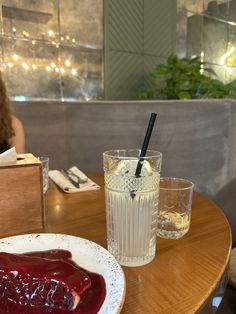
(183, 79)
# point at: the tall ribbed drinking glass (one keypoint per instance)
(131, 205)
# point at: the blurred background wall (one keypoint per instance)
(78, 50)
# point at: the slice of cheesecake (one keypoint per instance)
(41, 282)
(51, 254)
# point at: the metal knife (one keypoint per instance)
(72, 179)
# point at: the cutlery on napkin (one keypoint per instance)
(72, 180)
(9, 156)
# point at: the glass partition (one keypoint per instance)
(52, 49)
(207, 28)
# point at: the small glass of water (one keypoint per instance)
(45, 170)
(174, 209)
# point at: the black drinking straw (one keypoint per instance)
(145, 144)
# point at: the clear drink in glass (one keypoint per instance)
(131, 205)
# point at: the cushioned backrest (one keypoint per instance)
(226, 200)
(197, 138)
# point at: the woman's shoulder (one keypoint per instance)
(18, 140)
(16, 123)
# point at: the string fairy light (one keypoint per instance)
(48, 68)
(73, 72)
(51, 33)
(29, 63)
(25, 66)
(67, 63)
(15, 57)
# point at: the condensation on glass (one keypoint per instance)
(207, 28)
(52, 49)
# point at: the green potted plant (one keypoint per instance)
(183, 79)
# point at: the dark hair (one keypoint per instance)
(6, 129)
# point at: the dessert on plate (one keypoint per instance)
(48, 282)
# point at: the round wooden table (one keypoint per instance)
(185, 273)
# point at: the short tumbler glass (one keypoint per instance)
(45, 170)
(131, 205)
(174, 210)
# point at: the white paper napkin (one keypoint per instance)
(67, 186)
(9, 156)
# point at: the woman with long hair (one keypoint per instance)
(11, 128)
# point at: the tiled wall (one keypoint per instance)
(138, 35)
(208, 29)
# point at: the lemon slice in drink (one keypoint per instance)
(128, 168)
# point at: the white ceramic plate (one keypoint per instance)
(85, 253)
